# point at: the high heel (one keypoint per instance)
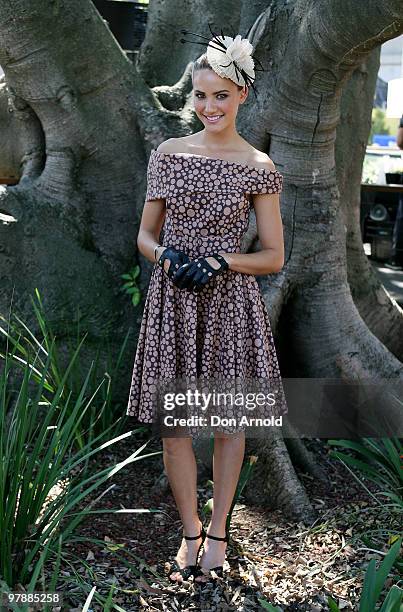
(188, 570)
(203, 571)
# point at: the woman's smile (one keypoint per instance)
(213, 118)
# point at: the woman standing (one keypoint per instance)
(204, 315)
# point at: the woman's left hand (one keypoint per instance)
(198, 272)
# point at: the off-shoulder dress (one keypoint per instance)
(223, 331)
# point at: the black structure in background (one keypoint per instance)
(127, 20)
(379, 205)
(381, 93)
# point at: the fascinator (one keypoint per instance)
(230, 57)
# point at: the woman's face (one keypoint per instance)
(216, 97)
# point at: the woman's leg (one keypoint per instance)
(227, 462)
(181, 469)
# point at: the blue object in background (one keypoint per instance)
(384, 140)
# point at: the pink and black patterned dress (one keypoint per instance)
(224, 331)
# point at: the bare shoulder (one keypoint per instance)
(261, 160)
(172, 145)
(188, 144)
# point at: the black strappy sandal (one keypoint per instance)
(188, 570)
(203, 571)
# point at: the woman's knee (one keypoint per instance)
(177, 446)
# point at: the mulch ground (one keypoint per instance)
(291, 565)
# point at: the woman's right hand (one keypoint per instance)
(175, 257)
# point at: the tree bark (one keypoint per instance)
(83, 122)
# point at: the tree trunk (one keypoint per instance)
(84, 121)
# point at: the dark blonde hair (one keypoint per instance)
(202, 63)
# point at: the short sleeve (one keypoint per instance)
(156, 177)
(266, 182)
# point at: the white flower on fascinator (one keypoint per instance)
(238, 50)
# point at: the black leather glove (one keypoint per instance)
(176, 258)
(196, 274)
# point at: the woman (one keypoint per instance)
(204, 314)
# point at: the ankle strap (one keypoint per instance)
(195, 537)
(217, 538)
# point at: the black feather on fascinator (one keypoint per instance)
(237, 63)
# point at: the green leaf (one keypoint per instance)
(385, 567)
(333, 607)
(393, 600)
(357, 446)
(267, 606)
(208, 507)
(396, 499)
(371, 472)
(368, 599)
(244, 477)
(136, 299)
(136, 272)
(394, 458)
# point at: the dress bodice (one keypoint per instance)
(181, 173)
(207, 199)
